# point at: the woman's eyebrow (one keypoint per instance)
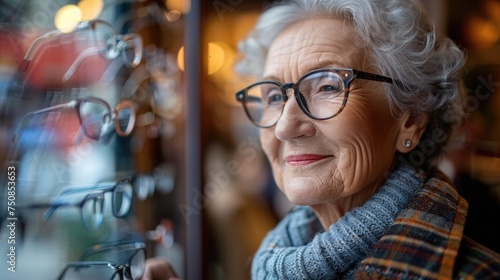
(321, 65)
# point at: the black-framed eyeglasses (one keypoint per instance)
(92, 204)
(143, 184)
(102, 37)
(95, 115)
(129, 45)
(321, 95)
(114, 261)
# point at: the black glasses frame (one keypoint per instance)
(351, 74)
(123, 270)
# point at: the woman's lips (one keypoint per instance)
(304, 159)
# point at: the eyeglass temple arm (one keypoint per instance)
(111, 71)
(53, 207)
(84, 188)
(372, 77)
(36, 206)
(25, 120)
(135, 43)
(31, 50)
(113, 246)
(71, 190)
(79, 59)
(375, 77)
(50, 35)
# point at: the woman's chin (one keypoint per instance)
(302, 194)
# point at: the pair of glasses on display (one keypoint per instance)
(129, 45)
(93, 201)
(99, 35)
(113, 261)
(92, 204)
(95, 115)
(156, 81)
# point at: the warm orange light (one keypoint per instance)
(90, 9)
(67, 17)
(180, 58)
(183, 6)
(482, 33)
(215, 58)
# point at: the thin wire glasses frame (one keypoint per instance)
(94, 126)
(109, 44)
(131, 41)
(322, 84)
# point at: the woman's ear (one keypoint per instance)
(412, 128)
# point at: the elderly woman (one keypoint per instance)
(356, 102)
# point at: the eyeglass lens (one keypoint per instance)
(93, 211)
(124, 120)
(132, 49)
(137, 265)
(105, 39)
(144, 186)
(122, 199)
(96, 119)
(93, 206)
(321, 96)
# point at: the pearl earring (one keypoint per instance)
(407, 143)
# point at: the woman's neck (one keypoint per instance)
(329, 213)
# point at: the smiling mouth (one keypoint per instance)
(306, 159)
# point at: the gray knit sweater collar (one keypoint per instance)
(299, 249)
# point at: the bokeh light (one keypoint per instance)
(183, 6)
(215, 57)
(67, 17)
(90, 9)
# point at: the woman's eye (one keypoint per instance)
(274, 96)
(329, 88)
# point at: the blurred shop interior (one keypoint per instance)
(98, 113)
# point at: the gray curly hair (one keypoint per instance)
(403, 45)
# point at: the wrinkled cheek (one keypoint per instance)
(267, 145)
(270, 146)
(349, 163)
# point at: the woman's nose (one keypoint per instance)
(293, 122)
